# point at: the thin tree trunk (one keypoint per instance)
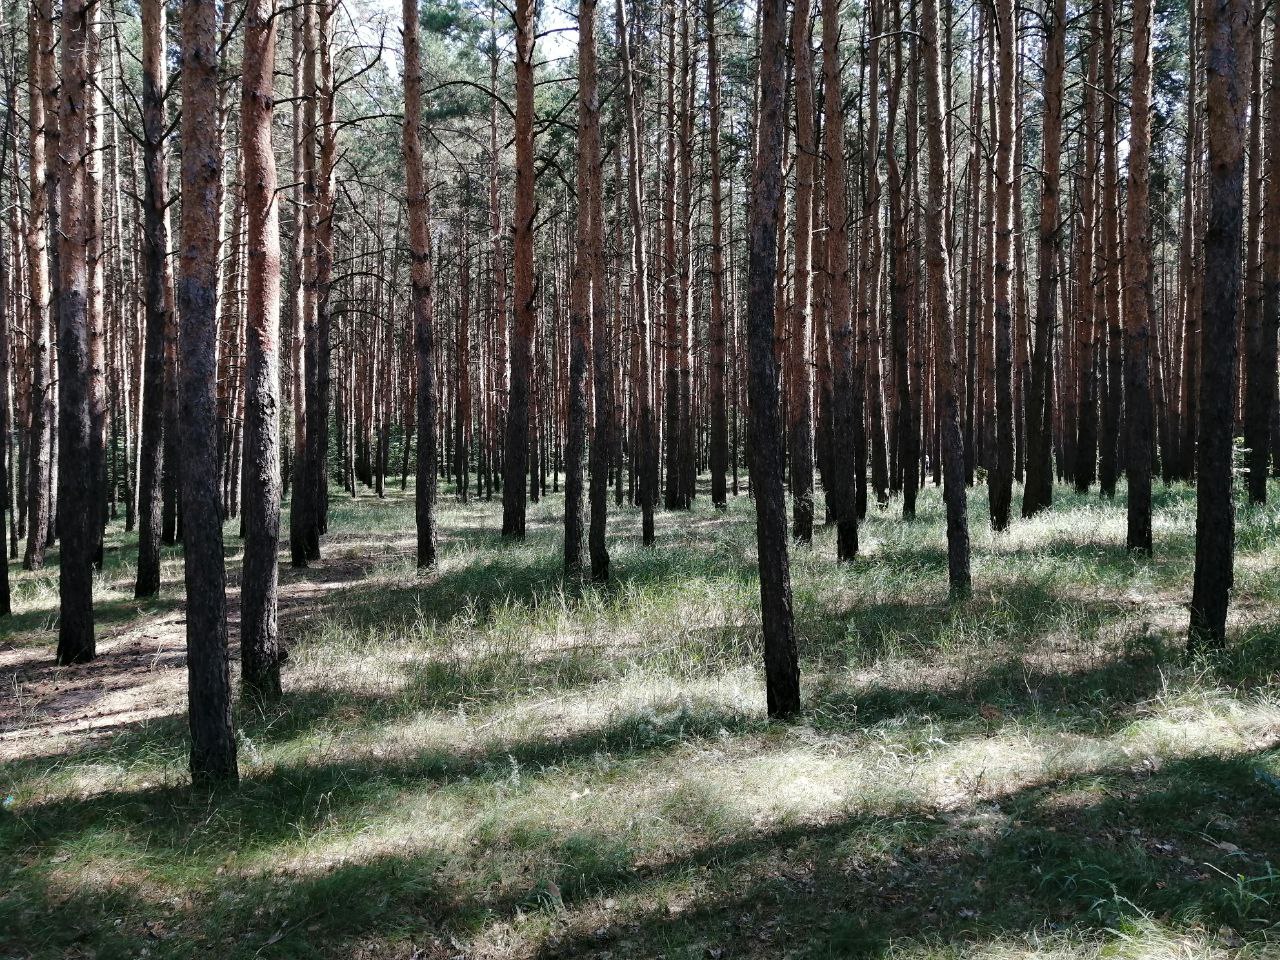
(1000, 482)
(422, 278)
(1137, 267)
(155, 256)
(938, 259)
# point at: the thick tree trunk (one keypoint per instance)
(1137, 268)
(259, 638)
(422, 279)
(213, 742)
(601, 354)
(78, 508)
(782, 671)
(938, 259)
(1112, 393)
(1228, 40)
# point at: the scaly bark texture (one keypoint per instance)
(1227, 51)
(78, 510)
(800, 376)
(516, 462)
(1137, 307)
(259, 635)
(1038, 410)
(422, 280)
(158, 280)
(940, 301)
(782, 671)
(213, 741)
(1260, 401)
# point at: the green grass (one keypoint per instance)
(492, 761)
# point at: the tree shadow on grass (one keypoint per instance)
(1073, 857)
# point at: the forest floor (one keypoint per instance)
(492, 762)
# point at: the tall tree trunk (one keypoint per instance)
(155, 257)
(259, 640)
(843, 494)
(782, 671)
(717, 399)
(519, 409)
(1038, 488)
(601, 354)
(1260, 403)
(1000, 483)
(1086, 465)
(800, 399)
(1110, 248)
(213, 742)
(938, 259)
(422, 279)
(1227, 33)
(40, 78)
(78, 508)
(580, 307)
(645, 443)
(1137, 268)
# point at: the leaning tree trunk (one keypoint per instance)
(155, 259)
(213, 742)
(516, 457)
(1137, 268)
(1227, 38)
(259, 638)
(422, 280)
(782, 671)
(938, 259)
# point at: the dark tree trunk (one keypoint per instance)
(78, 509)
(1227, 37)
(782, 671)
(1260, 402)
(938, 258)
(1137, 267)
(213, 742)
(155, 259)
(717, 400)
